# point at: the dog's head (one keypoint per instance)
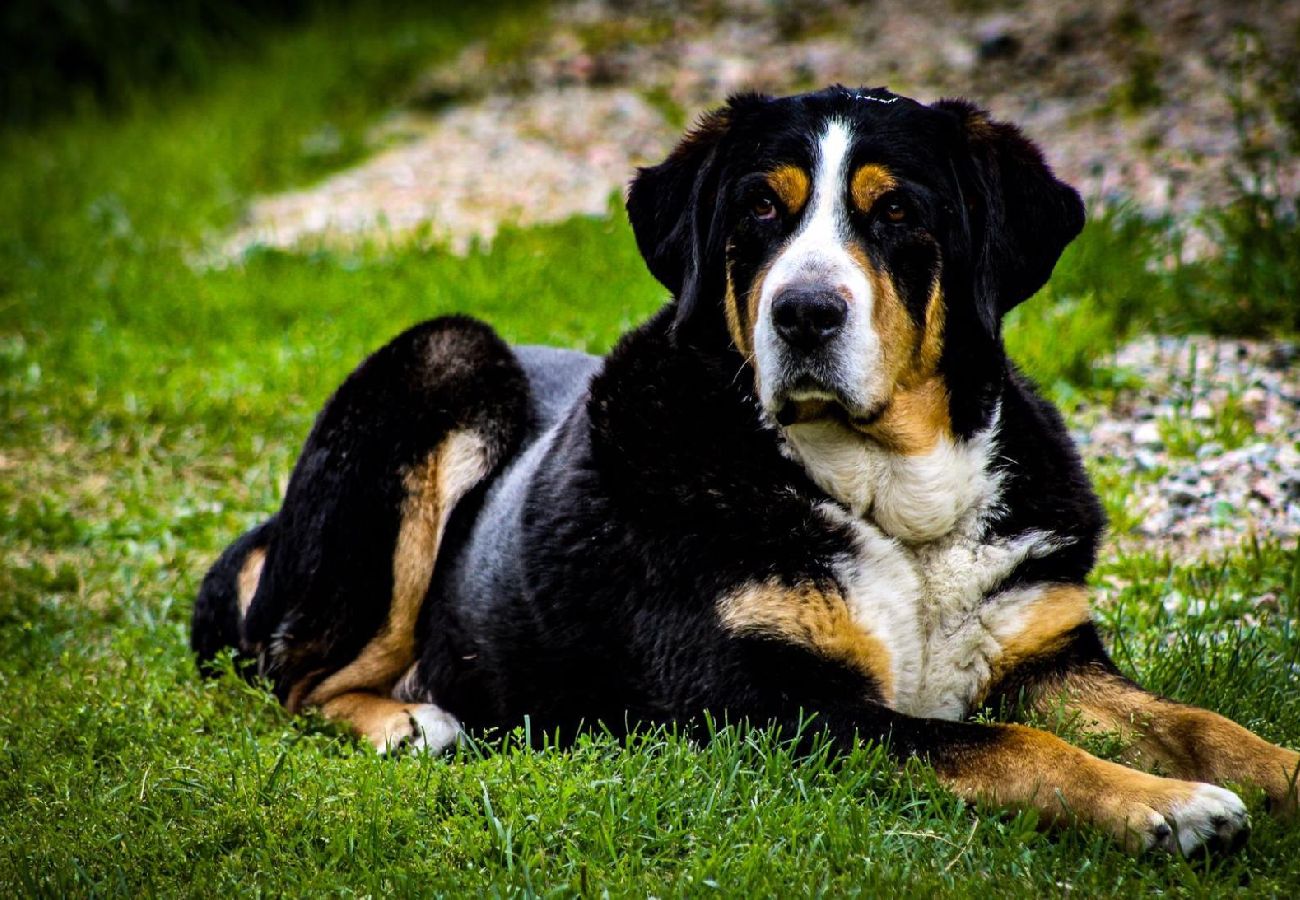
(860, 250)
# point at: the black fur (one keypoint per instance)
(214, 625)
(327, 582)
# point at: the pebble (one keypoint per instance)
(1147, 434)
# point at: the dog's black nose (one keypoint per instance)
(806, 318)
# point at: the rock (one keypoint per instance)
(1147, 434)
(1146, 460)
(994, 38)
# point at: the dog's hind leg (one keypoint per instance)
(433, 488)
(390, 725)
(348, 563)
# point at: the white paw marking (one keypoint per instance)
(1212, 816)
(428, 729)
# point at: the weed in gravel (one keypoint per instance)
(1251, 285)
(1185, 432)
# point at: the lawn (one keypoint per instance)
(152, 410)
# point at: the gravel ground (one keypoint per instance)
(457, 177)
(1210, 442)
(1132, 101)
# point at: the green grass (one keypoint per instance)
(151, 411)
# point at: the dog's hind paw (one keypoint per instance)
(425, 729)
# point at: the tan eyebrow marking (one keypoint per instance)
(790, 184)
(868, 185)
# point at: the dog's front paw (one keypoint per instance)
(1182, 817)
(1212, 820)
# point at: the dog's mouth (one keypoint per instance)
(808, 404)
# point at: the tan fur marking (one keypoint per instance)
(382, 721)
(433, 488)
(915, 419)
(791, 186)
(755, 298)
(1030, 769)
(927, 360)
(1182, 741)
(918, 414)
(899, 341)
(301, 688)
(1058, 610)
(742, 335)
(739, 336)
(250, 573)
(869, 184)
(811, 617)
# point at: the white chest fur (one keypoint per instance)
(921, 569)
(916, 498)
(929, 606)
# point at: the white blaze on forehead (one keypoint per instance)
(817, 255)
(817, 250)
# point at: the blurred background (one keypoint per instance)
(1172, 107)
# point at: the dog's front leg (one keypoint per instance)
(1165, 736)
(1054, 664)
(797, 647)
(1017, 767)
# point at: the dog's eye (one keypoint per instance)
(895, 212)
(763, 209)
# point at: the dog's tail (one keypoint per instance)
(225, 595)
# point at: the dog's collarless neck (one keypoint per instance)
(915, 497)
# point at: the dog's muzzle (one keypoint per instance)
(818, 358)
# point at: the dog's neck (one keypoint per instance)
(915, 497)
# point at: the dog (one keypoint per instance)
(811, 491)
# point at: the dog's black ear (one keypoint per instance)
(1027, 214)
(672, 207)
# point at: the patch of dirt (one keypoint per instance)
(1132, 102)
(457, 177)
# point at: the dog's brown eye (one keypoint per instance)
(895, 212)
(764, 209)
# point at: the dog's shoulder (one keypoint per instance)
(672, 425)
(1044, 486)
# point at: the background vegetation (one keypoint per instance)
(152, 409)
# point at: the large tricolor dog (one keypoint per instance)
(812, 485)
